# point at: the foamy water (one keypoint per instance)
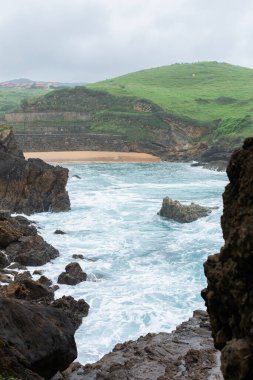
(145, 273)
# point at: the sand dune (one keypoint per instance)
(92, 156)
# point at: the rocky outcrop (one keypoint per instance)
(34, 339)
(174, 210)
(21, 243)
(217, 155)
(29, 186)
(186, 353)
(229, 293)
(73, 275)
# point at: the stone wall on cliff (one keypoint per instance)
(229, 294)
(29, 186)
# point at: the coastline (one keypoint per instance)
(93, 156)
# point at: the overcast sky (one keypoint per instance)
(91, 40)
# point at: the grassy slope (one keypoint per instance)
(204, 91)
(10, 98)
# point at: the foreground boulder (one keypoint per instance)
(186, 353)
(34, 338)
(29, 186)
(174, 210)
(229, 293)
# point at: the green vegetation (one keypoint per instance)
(142, 105)
(130, 117)
(11, 98)
(215, 93)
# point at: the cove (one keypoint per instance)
(145, 273)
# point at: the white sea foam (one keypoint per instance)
(144, 273)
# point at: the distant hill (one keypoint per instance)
(14, 91)
(210, 92)
(28, 83)
(174, 111)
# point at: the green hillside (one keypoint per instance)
(205, 92)
(11, 98)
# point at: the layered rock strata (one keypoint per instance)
(229, 294)
(28, 186)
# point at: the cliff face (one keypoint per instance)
(29, 186)
(229, 294)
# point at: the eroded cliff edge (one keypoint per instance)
(229, 294)
(28, 186)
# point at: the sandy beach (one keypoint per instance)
(92, 156)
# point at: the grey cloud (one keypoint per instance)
(89, 40)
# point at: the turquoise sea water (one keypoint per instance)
(145, 273)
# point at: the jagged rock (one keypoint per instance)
(35, 339)
(229, 293)
(183, 214)
(31, 250)
(29, 186)
(73, 275)
(75, 310)
(28, 289)
(187, 353)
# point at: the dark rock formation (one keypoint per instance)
(183, 214)
(31, 250)
(29, 290)
(78, 256)
(20, 243)
(73, 275)
(59, 232)
(75, 310)
(229, 294)
(35, 340)
(186, 353)
(217, 155)
(29, 186)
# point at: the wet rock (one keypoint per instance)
(76, 176)
(38, 272)
(75, 310)
(78, 256)
(31, 250)
(59, 232)
(229, 292)
(174, 210)
(186, 353)
(42, 347)
(73, 275)
(28, 186)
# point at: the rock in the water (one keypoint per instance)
(59, 232)
(31, 250)
(186, 353)
(174, 210)
(34, 339)
(29, 186)
(78, 256)
(73, 275)
(229, 293)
